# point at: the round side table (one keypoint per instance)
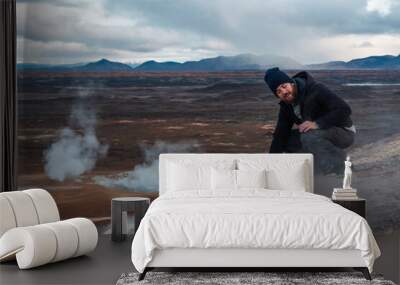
(138, 205)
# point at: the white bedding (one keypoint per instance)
(250, 219)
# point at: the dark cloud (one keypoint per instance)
(227, 18)
(54, 22)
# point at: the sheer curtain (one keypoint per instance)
(8, 100)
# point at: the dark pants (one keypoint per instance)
(326, 145)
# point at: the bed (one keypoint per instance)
(247, 210)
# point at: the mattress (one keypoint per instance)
(263, 219)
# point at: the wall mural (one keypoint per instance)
(104, 88)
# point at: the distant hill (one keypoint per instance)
(104, 65)
(153, 65)
(52, 67)
(371, 62)
(221, 63)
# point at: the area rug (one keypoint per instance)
(230, 278)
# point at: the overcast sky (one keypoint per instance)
(309, 31)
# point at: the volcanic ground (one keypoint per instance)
(215, 112)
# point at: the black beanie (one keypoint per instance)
(274, 77)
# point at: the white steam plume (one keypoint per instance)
(75, 153)
(144, 177)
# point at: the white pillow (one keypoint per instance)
(223, 179)
(251, 178)
(281, 175)
(188, 177)
(289, 177)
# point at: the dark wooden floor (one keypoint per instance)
(110, 259)
(103, 266)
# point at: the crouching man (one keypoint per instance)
(312, 119)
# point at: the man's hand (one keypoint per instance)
(307, 125)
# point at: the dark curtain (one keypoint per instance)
(8, 100)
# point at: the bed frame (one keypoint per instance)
(249, 258)
(242, 259)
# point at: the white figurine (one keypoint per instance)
(347, 174)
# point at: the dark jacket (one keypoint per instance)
(318, 104)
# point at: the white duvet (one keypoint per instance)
(250, 219)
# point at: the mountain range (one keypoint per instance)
(371, 62)
(220, 63)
